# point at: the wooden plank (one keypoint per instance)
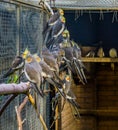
(97, 59)
(98, 112)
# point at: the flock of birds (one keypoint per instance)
(59, 54)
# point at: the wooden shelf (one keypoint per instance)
(98, 112)
(97, 59)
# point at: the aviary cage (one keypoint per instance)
(21, 26)
(93, 23)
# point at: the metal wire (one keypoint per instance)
(20, 27)
(87, 4)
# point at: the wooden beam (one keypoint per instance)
(97, 59)
(98, 112)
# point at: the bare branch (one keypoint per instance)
(18, 118)
(14, 88)
(23, 104)
(18, 113)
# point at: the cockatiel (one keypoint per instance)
(113, 54)
(70, 97)
(33, 71)
(18, 63)
(53, 20)
(73, 57)
(100, 52)
(74, 64)
(49, 58)
(55, 32)
(49, 75)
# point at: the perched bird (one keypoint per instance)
(100, 52)
(18, 63)
(72, 57)
(59, 27)
(48, 74)
(70, 97)
(49, 58)
(113, 54)
(91, 53)
(53, 20)
(74, 64)
(33, 71)
(56, 31)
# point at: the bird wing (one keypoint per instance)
(17, 62)
(57, 29)
(32, 72)
(51, 62)
(53, 19)
(46, 72)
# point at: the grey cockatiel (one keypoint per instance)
(32, 72)
(49, 75)
(18, 63)
(113, 54)
(55, 32)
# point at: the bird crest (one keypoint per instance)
(25, 53)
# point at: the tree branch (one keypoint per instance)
(14, 88)
(18, 113)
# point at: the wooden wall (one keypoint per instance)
(107, 97)
(98, 100)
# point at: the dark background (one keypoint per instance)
(90, 33)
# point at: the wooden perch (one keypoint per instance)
(14, 88)
(18, 89)
(18, 113)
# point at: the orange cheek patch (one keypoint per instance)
(68, 78)
(29, 59)
(38, 59)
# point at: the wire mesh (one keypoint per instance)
(86, 3)
(20, 27)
